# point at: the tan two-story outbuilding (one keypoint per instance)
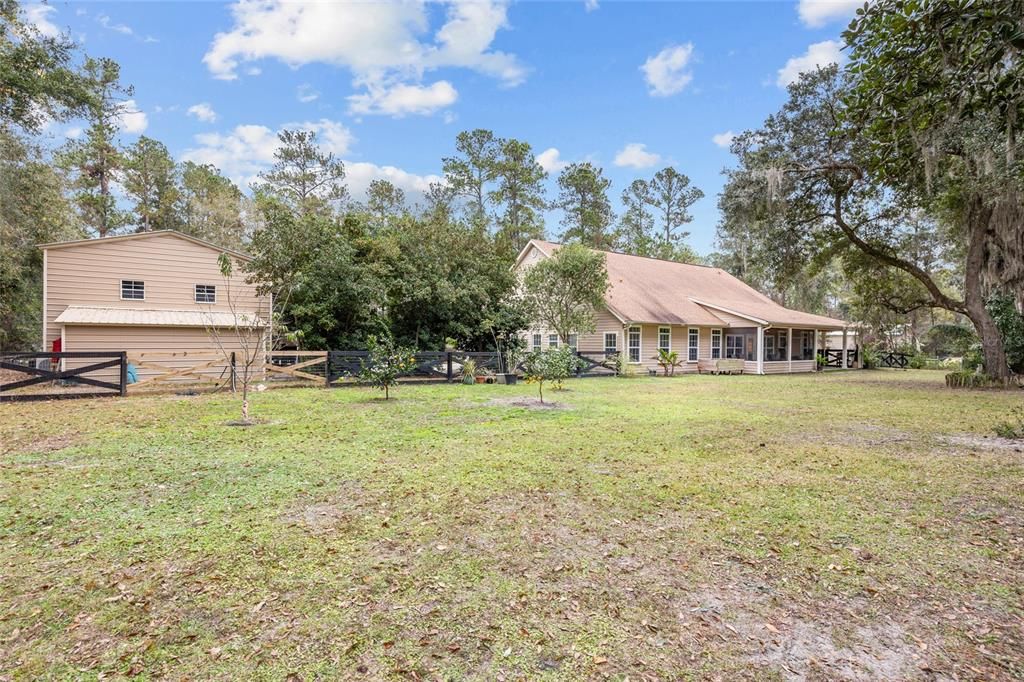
(161, 296)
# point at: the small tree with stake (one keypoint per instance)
(385, 363)
(556, 364)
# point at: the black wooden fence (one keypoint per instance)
(50, 376)
(834, 357)
(894, 360)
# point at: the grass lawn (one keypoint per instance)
(861, 525)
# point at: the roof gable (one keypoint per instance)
(145, 235)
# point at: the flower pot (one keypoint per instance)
(481, 380)
(510, 379)
(468, 380)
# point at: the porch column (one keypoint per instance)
(789, 349)
(846, 345)
(815, 358)
(760, 350)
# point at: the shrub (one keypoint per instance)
(969, 379)
(385, 363)
(869, 358)
(917, 361)
(469, 371)
(668, 360)
(1013, 427)
(555, 365)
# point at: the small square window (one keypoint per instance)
(133, 290)
(206, 293)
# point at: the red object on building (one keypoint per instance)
(55, 347)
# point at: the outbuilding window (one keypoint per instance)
(133, 290)
(206, 293)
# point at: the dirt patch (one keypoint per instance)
(861, 436)
(42, 445)
(976, 442)
(528, 403)
(347, 503)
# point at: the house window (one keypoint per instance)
(783, 345)
(536, 341)
(693, 344)
(634, 344)
(665, 339)
(206, 293)
(552, 340)
(734, 346)
(807, 345)
(574, 340)
(133, 290)
(716, 344)
(769, 346)
(611, 343)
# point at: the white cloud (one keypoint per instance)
(203, 111)
(387, 46)
(248, 149)
(666, 73)
(107, 23)
(306, 93)
(819, 54)
(551, 160)
(73, 133)
(725, 139)
(635, 155)
(400, 100)
(132, 119)
(590, 5)
(817, 13)
(38, 15)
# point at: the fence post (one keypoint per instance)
(449, 354)
(232, 371)
(327, 370)
(124, 373)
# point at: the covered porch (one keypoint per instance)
(770, 349)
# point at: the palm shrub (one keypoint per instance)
(668, 360)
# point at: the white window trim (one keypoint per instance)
(120, 288)
(604, 348)
(721, 343)
(639, 345)
(557, 341)
(573, 338)
(669, 349)
(533, 341)
(688, 346)
(195, 294)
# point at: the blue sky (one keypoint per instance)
(630, 86)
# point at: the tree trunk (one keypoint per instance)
(993, 351)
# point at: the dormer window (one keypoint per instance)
(206, 293)
(133, 290)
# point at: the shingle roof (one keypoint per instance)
(660, 291)
(81, 314)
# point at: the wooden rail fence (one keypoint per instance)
(58, 375)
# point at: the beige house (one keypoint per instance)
(158, 295)
(703, 313)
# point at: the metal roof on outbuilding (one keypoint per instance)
(80, 314)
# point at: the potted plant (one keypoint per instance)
(821, 361)
(469, 371)
(511, 357)
(485, 377)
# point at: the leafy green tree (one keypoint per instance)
(520, 193)
(469, 172)
(562, 292)
(636, 225)
(583, 197)
(211, 206)
(326, 283)
(386, 362)
(439, 199)
(304, 176)
(151, 182)
(96, 162)
(38, 79)
(33, 210)
(935, 101)
(385, 202)
(671, 198)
